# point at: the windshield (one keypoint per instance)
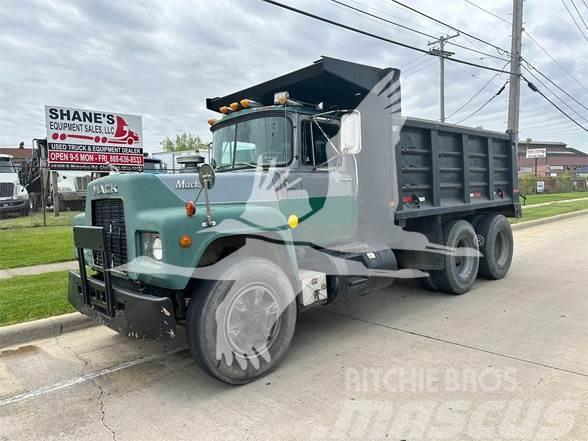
(250, 142)
(6, 166)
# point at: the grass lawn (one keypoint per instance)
(36, 220)
(551, 197)
(33, 246)
(551, 210)
(33, 297)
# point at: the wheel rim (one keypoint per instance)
(464, 264)
(252, 320)
(501, 248)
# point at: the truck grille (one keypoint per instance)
(109, 213)
(6, 189)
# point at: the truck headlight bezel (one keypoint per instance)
(152, 245)
(20, 193)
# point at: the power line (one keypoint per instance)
(534, 41)
(574, 20)
(580, 15)
(461, 31)
(382, 18)
(475, 94)
(556, 85)
(412, 61)
(554, 60)
(377, 37)
(535, 89)
(485, 104)
(488, 12)
(369, 14)
(410, 74)
(554, 94)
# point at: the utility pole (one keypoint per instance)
(514, 95)
(442, 54)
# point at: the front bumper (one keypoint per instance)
(126, 310)
(14, 205)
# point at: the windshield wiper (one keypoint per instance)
(221, 167)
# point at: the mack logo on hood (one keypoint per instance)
(105, 189)
(182, 184)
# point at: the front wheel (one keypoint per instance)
(240, 327)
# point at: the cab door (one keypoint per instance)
(325, 202)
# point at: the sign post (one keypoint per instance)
(89, 140)
(536, 154)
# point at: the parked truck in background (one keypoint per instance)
(319, 190)
(14, 198)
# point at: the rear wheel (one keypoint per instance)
(496, 246)
(240, 327)
(461, 268)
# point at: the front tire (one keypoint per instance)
(460, 271)
(240, 327)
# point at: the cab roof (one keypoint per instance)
(336, 83)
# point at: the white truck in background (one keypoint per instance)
(14, 198)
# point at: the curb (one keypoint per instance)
(44, 328)
(547, 220)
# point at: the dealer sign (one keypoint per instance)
(91, 140)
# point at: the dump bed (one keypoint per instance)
(444, 168)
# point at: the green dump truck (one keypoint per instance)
(316, 190)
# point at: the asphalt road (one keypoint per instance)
(509, 360)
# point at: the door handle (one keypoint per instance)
(344, 179)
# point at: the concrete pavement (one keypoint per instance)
(509, 360)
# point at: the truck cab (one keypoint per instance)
(317, 190)
(14, 198)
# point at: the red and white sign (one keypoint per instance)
(536, 153)
(92, 140)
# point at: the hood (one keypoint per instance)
(230, 187)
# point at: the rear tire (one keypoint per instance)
(240, 327)
(460, 272)
(496, 246)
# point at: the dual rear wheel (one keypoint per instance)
(483, 248)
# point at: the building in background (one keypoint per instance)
(560, 159)
(19, 155)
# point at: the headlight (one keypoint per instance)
(20, 192)
(152, 246)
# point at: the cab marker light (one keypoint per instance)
(212, 121)
(234, 106)
(190, 208)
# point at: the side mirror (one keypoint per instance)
(350, 133)
(206, 176)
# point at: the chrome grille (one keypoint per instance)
(109, 213)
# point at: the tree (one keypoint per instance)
(183, 142)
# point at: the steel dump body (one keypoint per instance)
(444, 169)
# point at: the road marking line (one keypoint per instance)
(86, 377)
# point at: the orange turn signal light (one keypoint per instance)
(224, 109)
(244, 103)
(190, 208)
(234, 107)
(212, 121)
(185, 241)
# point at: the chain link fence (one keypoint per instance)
(41, 198)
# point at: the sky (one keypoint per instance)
(162, 59)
